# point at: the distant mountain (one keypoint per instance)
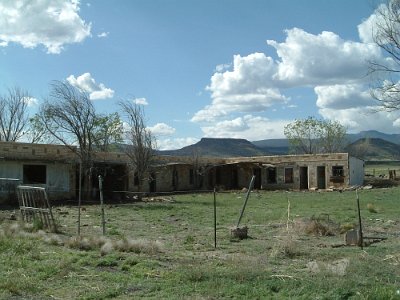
(273, 146)
(373, 134)
(374, 149)
(369, 145)
(218, 147)
(281, 146)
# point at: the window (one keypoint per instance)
(271, 175)
(337, 174)
(337, 171)
(288, 175)
(191, 176)
(34, 174)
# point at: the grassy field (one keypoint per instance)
(165, 249)
(377, 168)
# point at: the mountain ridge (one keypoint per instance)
(230, 147)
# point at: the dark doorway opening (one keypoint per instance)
(321, 177)
(257, 180)
(271, 175)
(152, 183)
(175, 179)
(115, 181)
(234, 177)
(304, 178)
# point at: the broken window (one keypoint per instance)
(337, 171)
(34, 174)
(271, 175)
(288, 175)
(337, 174)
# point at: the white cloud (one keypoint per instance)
(222, 67)
(248, 88)
(86, 83)
(248, 127)
(51, 23)
(161, 129)
(335, 68)
(103, 34)
(343, 96)
(308, 59)
(363, 118)
(141, 101)
(30, 101)
(175, 143)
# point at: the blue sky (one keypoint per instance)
(201, 68)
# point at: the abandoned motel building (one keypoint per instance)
(56, 168)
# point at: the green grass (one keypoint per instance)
(166, 250)
(377, 168)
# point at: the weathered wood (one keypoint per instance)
(34, 205)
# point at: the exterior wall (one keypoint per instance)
(356, 171)
(173, 173)
(308, 164)
(25, 151)
(60, 178)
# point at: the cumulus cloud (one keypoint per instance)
(308, 59)
(222, 67)
(86, 83)
(343, 96)
(141, 101)
(363, 118)
(51, 23)
(161, 129)
(175, 143)
(336, 70)
(248, 127)
(248, 88)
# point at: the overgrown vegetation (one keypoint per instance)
(165, 250)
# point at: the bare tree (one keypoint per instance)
(70, 117)
(142, 144)
(13, 114)
(386, 34)
(37, 132)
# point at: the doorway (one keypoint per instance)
(257, 180)
(321, 177)
(303, 178)
(152, 183)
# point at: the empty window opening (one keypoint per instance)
(271, 175)
(337, 174)
(288, 175)
(34, 174)
(337, 171)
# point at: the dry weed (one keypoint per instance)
(318, 226)
(371, 208)
(107, 248)
(138, 246)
